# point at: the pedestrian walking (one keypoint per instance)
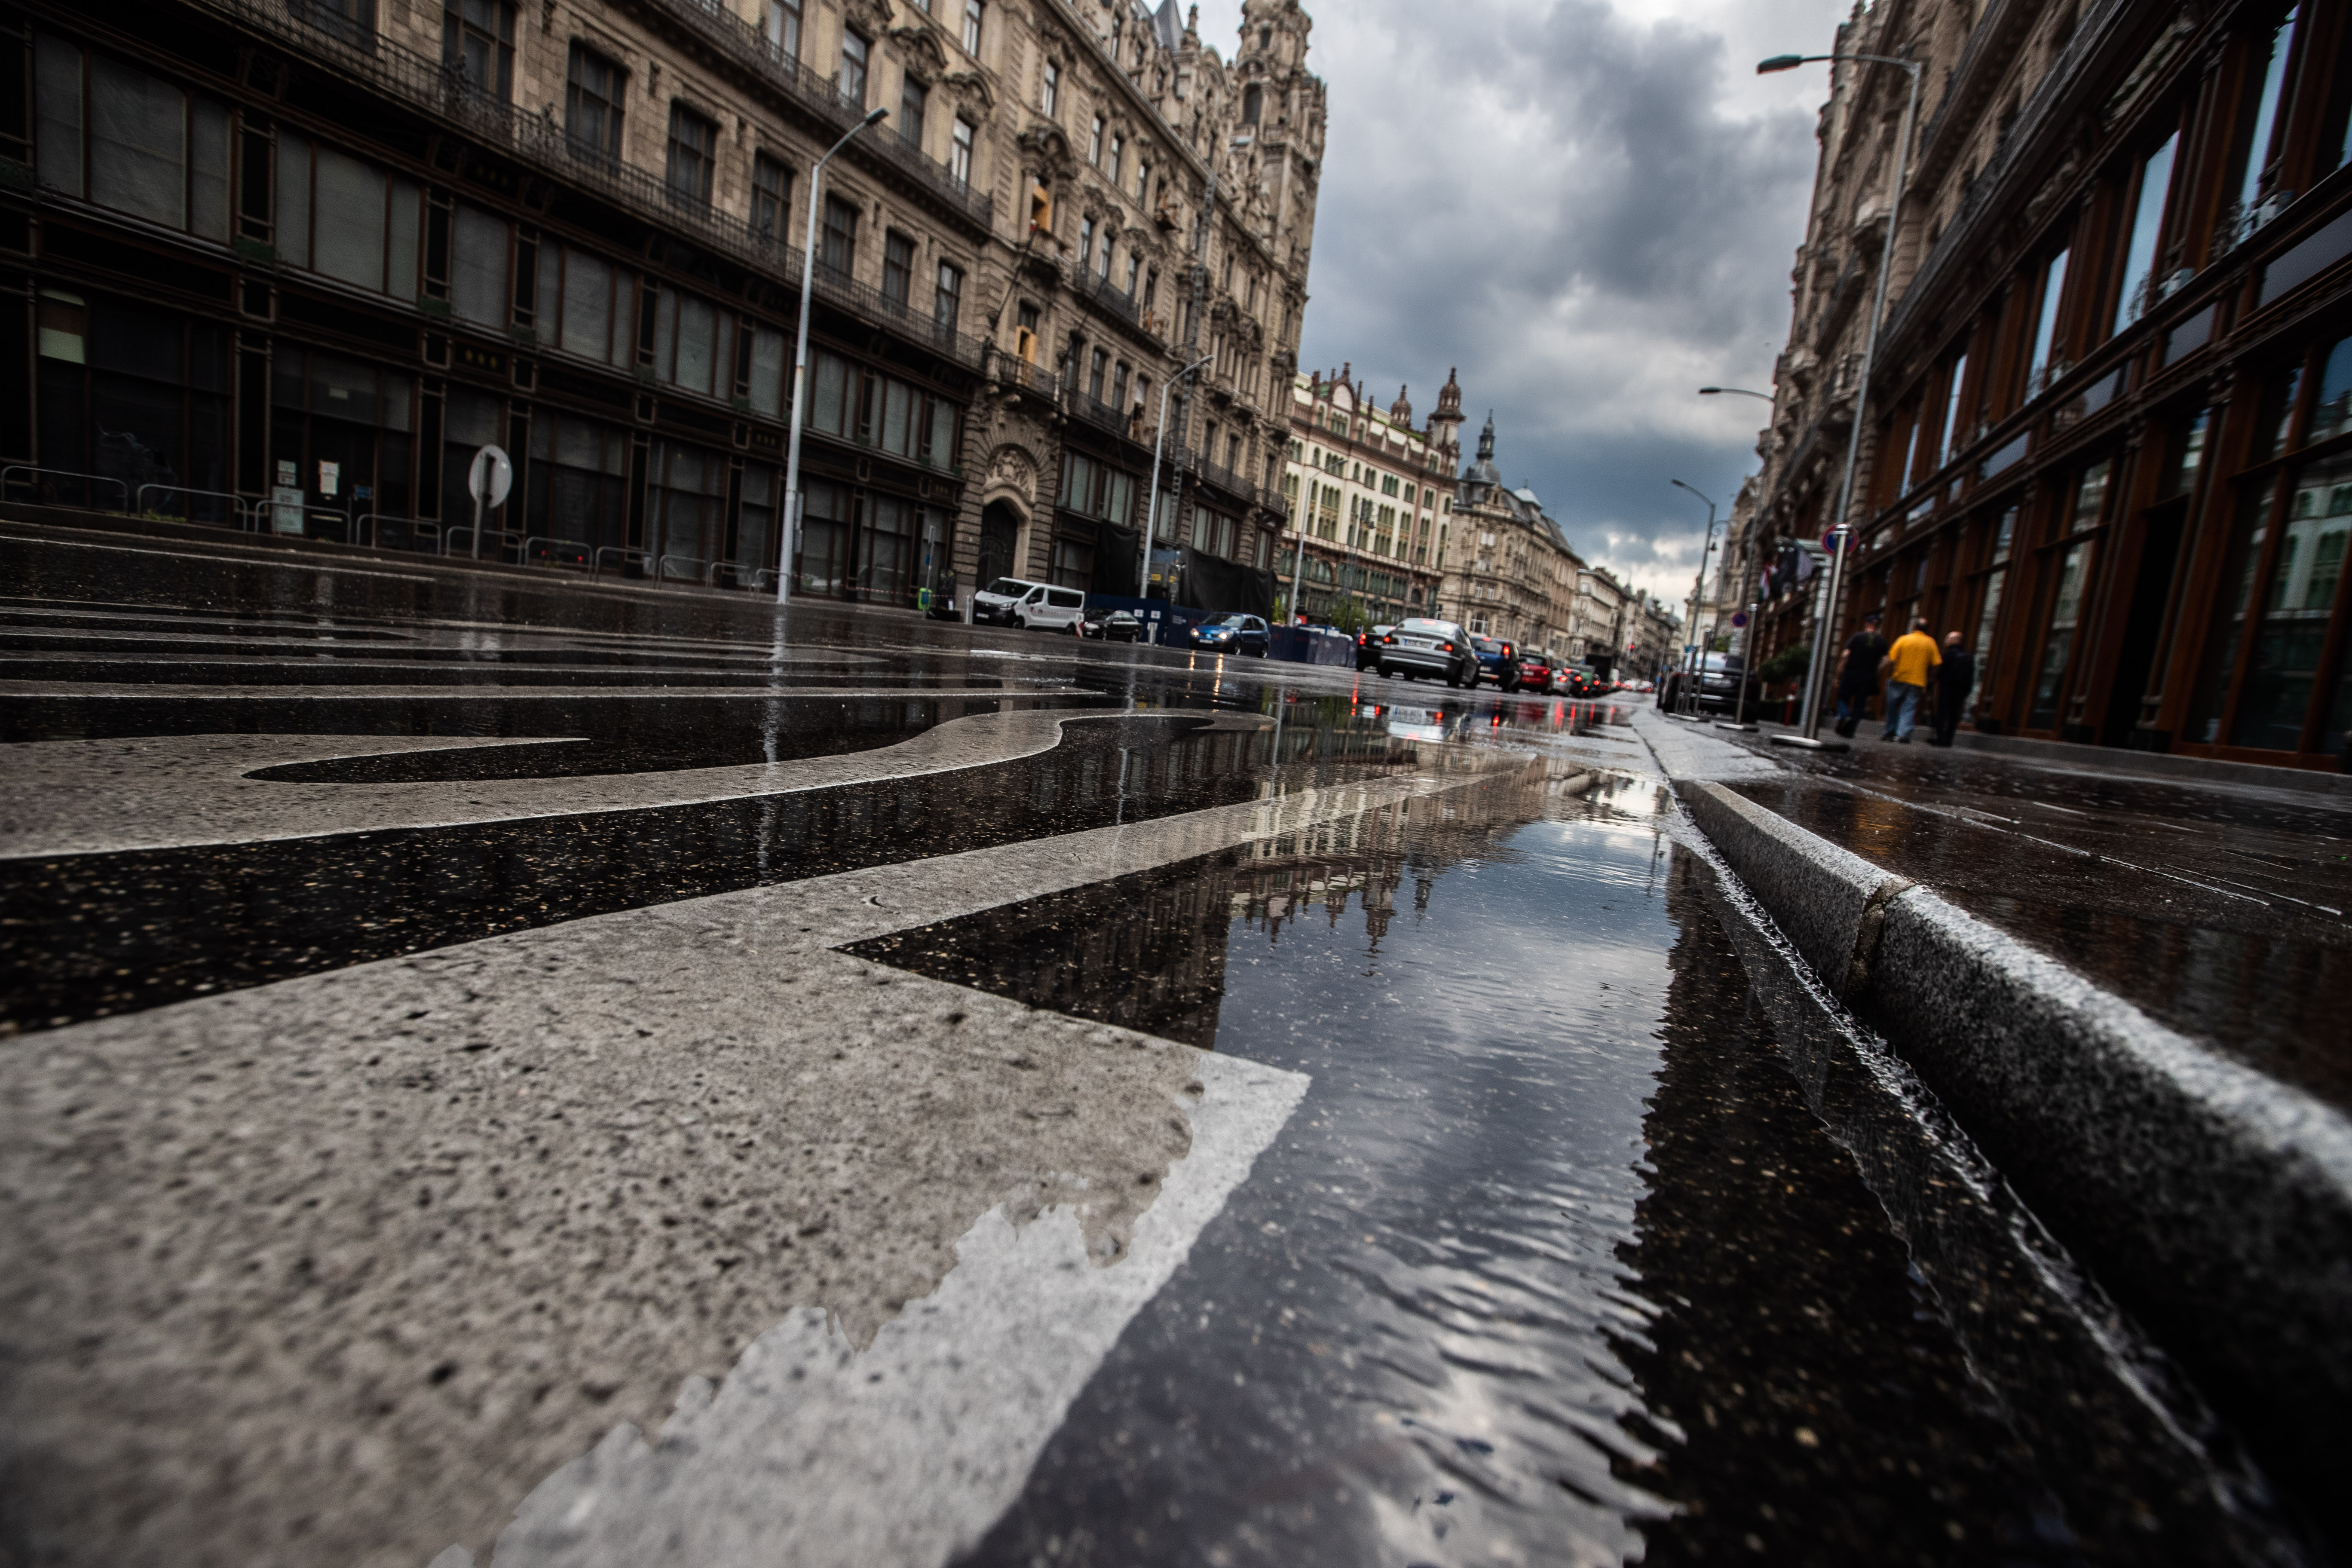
(1857, 676)
(1909, 663)
(1954, 679)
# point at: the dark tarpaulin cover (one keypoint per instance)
(1215, 584)
(1117, 569)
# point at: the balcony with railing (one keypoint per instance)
(442, 91)
(881, 146)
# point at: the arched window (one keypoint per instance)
(1251, 98)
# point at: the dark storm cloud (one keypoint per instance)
(1562, 202)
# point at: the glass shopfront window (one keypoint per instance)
(855, 403)
(2289, 639)
(136, 394)
(579, 480)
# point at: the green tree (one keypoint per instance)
(1349, 616)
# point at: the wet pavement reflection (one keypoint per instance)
(1554, 1266)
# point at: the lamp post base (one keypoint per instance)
(1809, 743)
(1742, 729)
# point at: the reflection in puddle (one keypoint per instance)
(1552, 1267)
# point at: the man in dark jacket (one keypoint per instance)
(1857, 676)
(1954, 678)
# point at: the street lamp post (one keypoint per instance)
(1695, 660)
(1746, 576)
(792, 505)
(1151, 494)
(1842, 535)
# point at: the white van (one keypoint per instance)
(1039, 606)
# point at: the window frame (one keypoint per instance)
(614, 108)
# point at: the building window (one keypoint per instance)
(1118, 386)
(914, 98)
(840, 253)
(855, 53)
(2259, 165)
(1118, 158)
(1085, 239)
(959, 152)
(591, 102)
(1049, 93)
(1097, 367)
(2042, 369)
(971, 10)
(2141, 288)
(772, 197)
(1024, 331)
(1134, 265)
(1102, 258)
(693, 155)
(897, 268)
(477, 45)
(948, 302)
(1095, 143)
(1252, 102)
(784, 27)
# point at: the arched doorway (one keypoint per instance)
(999, 542)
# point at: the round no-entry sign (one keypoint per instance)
(490, 477)
(1739, 620)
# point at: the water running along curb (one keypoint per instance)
(2213, 1203)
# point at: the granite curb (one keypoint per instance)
(2214, 1203)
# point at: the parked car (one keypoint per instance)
(1535, 671)
(1498, 661)
(1037, 606)
(1368, 646)
(1230, 631)
(1719, 685)
(1119, 626)
(1417, 646)
(1582, 684)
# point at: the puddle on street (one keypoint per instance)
(1552, 1266)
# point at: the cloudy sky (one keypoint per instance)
(1592, 208)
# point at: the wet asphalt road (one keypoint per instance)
(515, 1073)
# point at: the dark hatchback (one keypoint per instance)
(1418, 647)
(1230, 631)
(1368, 646)
(1498, 661)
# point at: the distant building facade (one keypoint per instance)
(348, 243)
(1369, 499)
(2109, 432)
(1508, 570)
(1596, 633)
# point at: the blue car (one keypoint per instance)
(1498, 661)
(1230, 631)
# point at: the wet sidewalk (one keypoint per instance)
(2217, 908)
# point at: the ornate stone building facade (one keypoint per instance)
(1509, 571)
(1369, 499)
(2108, 436)
(299, 259)
(1597, 621)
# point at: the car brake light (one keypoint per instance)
(1445, 647)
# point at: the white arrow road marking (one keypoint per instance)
(346, 1267)
(168, 792)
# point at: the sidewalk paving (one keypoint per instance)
(2216, 906)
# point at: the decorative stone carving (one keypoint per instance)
(970, 90)
(918, 46)
(871, 17)
(1048, 150)
(1012, 476)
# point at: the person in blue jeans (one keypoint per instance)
(1911, 664)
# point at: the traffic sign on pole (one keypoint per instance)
(488, 478)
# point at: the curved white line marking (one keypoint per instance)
(169, 792)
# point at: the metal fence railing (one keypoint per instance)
(243, 515)
(621, 554)
(382, 531)
(545, 549)
(43, 483)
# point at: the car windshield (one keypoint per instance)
(1433, 628)
(1009, 587)
(1717, 662)
(1223, 618)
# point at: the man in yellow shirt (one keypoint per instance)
(1909, 664)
